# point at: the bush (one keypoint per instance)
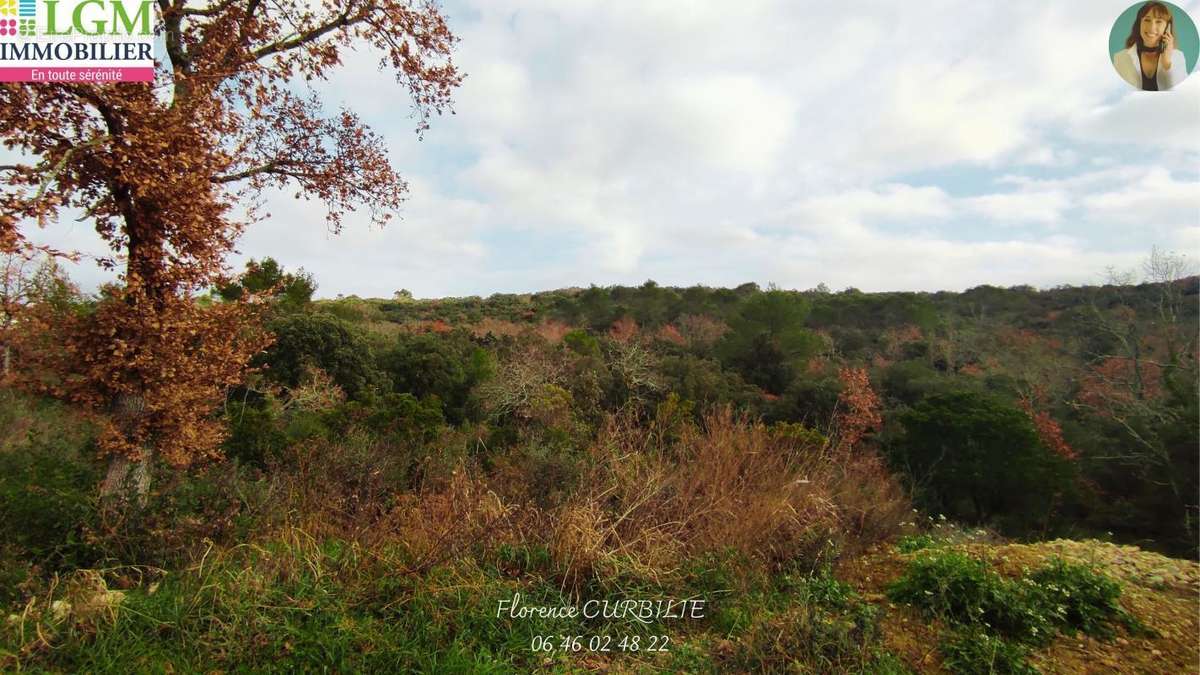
(48, 504)
(304, 342)
(823, 625)
(1085, 599)
(974, 651)
(994, 618)
(256, 435)
(727, 483)
(768, 339)
(915, 542)
(811, 623)
(978, 458)
(187, 511)
(962, 591)
(580, 342)
(444, 366)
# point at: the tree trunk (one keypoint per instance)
(128, 480)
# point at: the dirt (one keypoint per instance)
(1164, 593)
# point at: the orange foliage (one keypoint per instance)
(160, 374)
(895, 338)
(1048, 430)
(700, 330)
(972, 369)
(669, 333)
(623, 329)
(552, 331)
(858, 408)
(1115, 383)
(497, 328)
(159, 169)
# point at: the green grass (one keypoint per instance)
(916, 542)
(293, 604)
(976, 651)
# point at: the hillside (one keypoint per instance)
(732, 480)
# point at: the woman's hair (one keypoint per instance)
(1155, 8)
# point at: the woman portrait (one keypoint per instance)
(1151, 60)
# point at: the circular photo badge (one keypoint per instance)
(1153, 46)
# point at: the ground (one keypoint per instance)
(1164, 593)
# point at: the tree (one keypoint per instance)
(976, 457)
(446, 366)
(267, 278)
(24, 285)
(157, 170)
(305, 342)
(768, 338)
(1139, 387)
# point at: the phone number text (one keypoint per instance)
(599, 643)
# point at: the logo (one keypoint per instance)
(77, 41)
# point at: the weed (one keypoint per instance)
(963, 591)
(994, 619)
(816, 623)
(1083, 599)
(915, 542)
(974, 651)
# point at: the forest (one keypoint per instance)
(601, 443)
(207, 467)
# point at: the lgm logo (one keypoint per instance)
(77, 41)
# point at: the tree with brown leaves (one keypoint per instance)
(158, 168)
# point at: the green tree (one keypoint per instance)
(978, 458)
(444, 366)
(306, 341)
(768, 339)
(289, 291)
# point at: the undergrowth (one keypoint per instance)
(994, 620)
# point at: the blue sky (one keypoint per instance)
(880, 145)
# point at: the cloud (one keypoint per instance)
(881, 145)
(1150, 122)
(1044, 206)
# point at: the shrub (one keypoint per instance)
(307, 341)
(992, 618)
(582, 343)
(1085, 599)
(768, 339)
(256, 434)
(728, 483)
(977, 458)
(915, 542)
(974, 651)
(960, 590)
(48, 503)
(447, 366)
(185, 512)
(814, 624)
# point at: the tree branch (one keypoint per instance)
(342, 20)
(272, 166)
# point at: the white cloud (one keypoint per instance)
(894, 202)
(1045, 207)
(718, 143)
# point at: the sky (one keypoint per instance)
(881, 145)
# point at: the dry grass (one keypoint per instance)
(730, 484)
(648, 500)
